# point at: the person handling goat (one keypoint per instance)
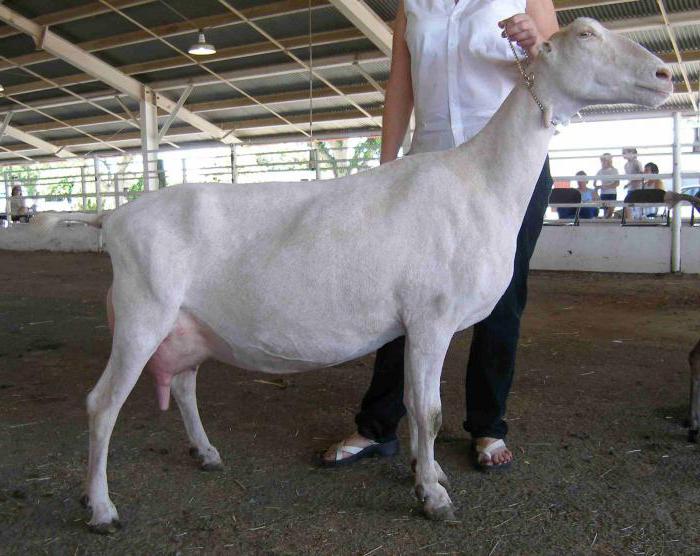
(451, 62)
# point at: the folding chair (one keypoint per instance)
(645, 196)
(564, 195)
(692, 210)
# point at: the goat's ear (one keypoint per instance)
(545, 48)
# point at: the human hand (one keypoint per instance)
(521, 29)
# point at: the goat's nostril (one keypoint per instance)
(664, 73)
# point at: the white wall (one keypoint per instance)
(613, 248)
(589, 247)
(25, 237)
(690, 250)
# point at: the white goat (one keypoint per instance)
(284, 277)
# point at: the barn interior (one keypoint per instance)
(106, 95)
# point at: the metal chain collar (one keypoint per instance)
(529, 80)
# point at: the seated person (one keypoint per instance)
(18, 205)
(653, 183)
(587, 196)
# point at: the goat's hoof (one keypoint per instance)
(85, 501)
(442, 513)
(108, 528)
(693, 435)
(212, 466)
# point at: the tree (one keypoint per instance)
(26, 176)
(61, 190)
(343, 159)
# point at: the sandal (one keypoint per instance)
(484, 457)
(381, 449)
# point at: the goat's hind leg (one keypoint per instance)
(184, 388)
(139, 329)
(425, 354)
(694, 420)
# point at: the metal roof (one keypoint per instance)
(251, 85)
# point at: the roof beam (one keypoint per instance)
(209, 106)
(50, 148)
(366, 20)
(73, 14)
(50, 41)
(256, 123)
(264, 47)
(275, 9)
(260, 72)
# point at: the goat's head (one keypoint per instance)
(584, 64)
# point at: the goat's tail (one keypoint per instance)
(674, 198)
(47, 221)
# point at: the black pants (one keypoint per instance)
(492, 357)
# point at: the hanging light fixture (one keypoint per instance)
(202, 47)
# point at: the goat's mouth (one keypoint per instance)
(653, 95)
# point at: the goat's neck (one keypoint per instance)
(512, 147)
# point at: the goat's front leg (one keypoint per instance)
(425, 353)
(694, 424)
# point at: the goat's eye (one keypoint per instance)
(585, 35)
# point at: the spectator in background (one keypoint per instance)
(608, 186)
(633, 166)
(18, 205)
(587, 196)
(653, 182)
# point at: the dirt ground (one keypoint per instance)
(596, 413)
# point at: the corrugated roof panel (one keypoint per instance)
(34, 8)
(386, 9)
(609, 12)
(334, 103)
(677, 102)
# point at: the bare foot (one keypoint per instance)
(499, 456)
(356, 440)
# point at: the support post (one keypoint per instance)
(149, 138)
(83, 187)
(234, 164)
(184, 170)
(8, 201)
(116, 191)
(676, 219)
(98, 185)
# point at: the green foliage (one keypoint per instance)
(26, 176)
(61, 190)
(343, 160)
(132, 192)
(89, 204)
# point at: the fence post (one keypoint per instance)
(8, 201)
(83, 188)
(234, 164)
(676, 221)
(98, 184)
(184, 170)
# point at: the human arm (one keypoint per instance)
(531, 29)
(398, 100)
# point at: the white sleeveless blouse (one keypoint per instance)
(461, 68)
